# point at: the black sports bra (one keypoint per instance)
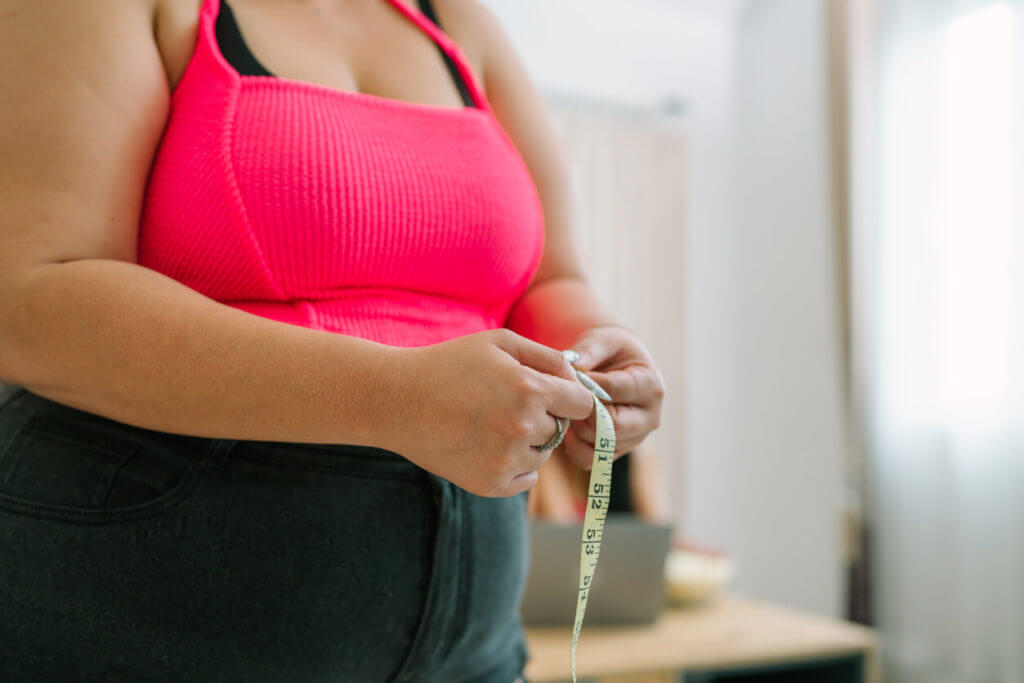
(236, 51)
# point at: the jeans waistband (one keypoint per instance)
(219, 450)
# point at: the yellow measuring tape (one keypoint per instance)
(598, 494)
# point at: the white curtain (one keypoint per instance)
(938, 251)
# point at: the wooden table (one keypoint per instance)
(729, 635)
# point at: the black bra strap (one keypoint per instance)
(233, 46)
(427, 7)
(236, 51)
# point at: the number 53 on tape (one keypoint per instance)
(598, 495)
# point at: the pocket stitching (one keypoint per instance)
(167, 500)
(433, 589)
(56, 426)
(64, 433)
(117, 471)
(131, 513)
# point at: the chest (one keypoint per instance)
(356, 46)
(268, 188)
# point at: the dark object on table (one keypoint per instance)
(628, 585)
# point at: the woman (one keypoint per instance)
(280, 318)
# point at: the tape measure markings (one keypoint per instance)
(596, 513)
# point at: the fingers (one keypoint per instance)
(634, 384)
(522, 481)
(541, 431)
(578, 451)
(581, 452)
(535, 355)
(568, 397)
(527, 458)
(552, 428)
(563, 393)
(629, 422)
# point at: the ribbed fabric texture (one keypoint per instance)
(400, 222)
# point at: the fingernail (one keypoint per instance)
(571, 356)
(593, 386)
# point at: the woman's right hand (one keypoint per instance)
(470, 409)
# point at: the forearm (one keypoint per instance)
(554, 312)
(133, 345)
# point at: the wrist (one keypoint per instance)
(385, 400)
(557, 310)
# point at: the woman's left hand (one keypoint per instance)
(617, 360)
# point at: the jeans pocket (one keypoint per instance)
(62, 468)
(435, 618)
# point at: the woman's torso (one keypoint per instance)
(401, 216)
(185, 550)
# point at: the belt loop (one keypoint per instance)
(217, 453)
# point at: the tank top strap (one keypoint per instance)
(450, 48)
(454, 56)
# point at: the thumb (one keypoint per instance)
(593, 350)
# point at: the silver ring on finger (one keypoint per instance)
(556, 440)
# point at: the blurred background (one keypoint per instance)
(808, 209)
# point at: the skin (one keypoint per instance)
(83, 324)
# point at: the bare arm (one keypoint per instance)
(80, 321)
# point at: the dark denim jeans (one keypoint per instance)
(129, 554)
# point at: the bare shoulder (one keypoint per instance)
(476, 29)
(80, 120)
(468, 17)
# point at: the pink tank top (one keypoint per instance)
(400, 222)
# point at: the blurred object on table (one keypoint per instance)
(694, 574)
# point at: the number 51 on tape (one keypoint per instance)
(598, 495)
